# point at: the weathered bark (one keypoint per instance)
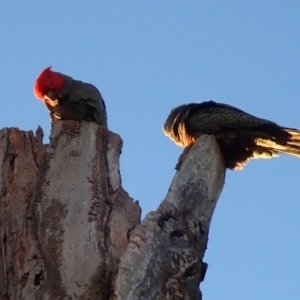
(163, 259)
(65, 219)
(64, 214)
(21, 270)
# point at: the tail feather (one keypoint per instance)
(282, 140)
(262, 152)
(292, 146)
(294, 135)
(291, 151)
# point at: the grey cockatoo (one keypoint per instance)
(241, 136)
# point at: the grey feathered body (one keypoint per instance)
(241, 136)
(79, 101)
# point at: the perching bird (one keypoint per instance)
(69, 99)
(240, 135)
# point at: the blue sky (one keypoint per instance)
(147, 57)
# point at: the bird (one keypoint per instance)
(70, 99)
(240, 135)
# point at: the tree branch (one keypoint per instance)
(164, 256)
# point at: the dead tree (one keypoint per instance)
(68, 230)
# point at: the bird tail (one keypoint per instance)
(282, 140)
(293, 143)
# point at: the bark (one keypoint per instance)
(164, 257)
(68, 230)
(64, 214)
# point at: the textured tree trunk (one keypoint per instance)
(68, 230)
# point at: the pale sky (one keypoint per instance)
(147, 57)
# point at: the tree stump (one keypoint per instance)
(68, 230)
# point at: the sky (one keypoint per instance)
(147, 57)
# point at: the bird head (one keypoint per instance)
(175, 128)
(48, 85)
(171, 119)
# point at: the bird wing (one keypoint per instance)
(87, 92)
(89, 95)
(211, 118)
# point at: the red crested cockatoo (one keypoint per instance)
(69, 99)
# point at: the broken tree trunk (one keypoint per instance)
(68, 230)
(64, 215)
(163, 259)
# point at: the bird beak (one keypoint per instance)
(49, 96)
